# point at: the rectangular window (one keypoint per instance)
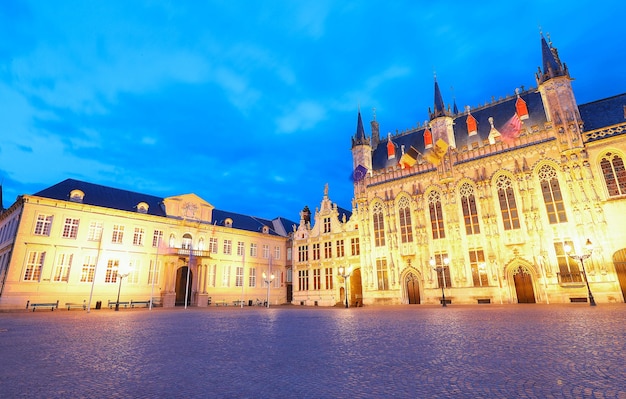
(479, 270)
(118, 234)
(326, 225)
(34, 265)
(328, 250)
(43, 224)
(289, 251)
(62, 269)
(329, 278)
(470, 214)
(138, 236)
(277, 252)
(153, 273)
(436, 219)
(226, 276)
(340, 249)
(70, 228)
(569, 271)
(88, 270)
(228, 247)
(95, 231)
(303, 280)
(278, 279)
(508, 207)
(381, 274)
(157, 238)
(252, 277)
(406, 227)
(317, 279)
(239, 277)
(266, 251)
(111, 273)
(212, 275)
(443, 270)
(379, 229)
(241, 248)
(316, 251)
(253, 249)
(303, 253)
(213, 245)
(354, 244)
(135, 270)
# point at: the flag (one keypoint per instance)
(409, 158)
(391, 149)
(435, 155)
(511, 129)
(359, 173)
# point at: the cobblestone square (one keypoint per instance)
(482, 351)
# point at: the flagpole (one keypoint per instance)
(188, 272)
(243, 274)
(95, 269)
(156, 262)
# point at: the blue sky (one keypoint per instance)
(251, 104)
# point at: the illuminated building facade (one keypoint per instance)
(481, 205)
(70, 242)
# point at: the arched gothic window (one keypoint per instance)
(552, 196)
(404, 215)
(614, 174)
(379, 225)
(470, 214)
(436, 215)
(508, 206)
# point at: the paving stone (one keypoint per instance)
(534, 351)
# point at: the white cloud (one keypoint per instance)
(304, 116)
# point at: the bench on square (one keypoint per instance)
(222, 302)
(51, 305)
(71, 305)
(113, 303)
(134, 303)
(574, 300)
(239, 302)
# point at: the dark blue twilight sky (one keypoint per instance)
(251, 104)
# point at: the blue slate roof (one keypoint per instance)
(603, 113)
(114, 198)
(501, 112)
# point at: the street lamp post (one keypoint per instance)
(433, 264)
(121, 273)
(345, 273)
(268, 280)
(581, 259)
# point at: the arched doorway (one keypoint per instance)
(619, 260)
(355, 289)
(412, 288)
(523, 285)
(181, 286)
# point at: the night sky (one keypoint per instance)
(251, 104)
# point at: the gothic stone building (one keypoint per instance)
(493, 204)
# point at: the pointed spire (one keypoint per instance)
(440, 109)
(552, 66)
(359, 138)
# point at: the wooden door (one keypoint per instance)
(619, 260)
(524, 286)
(412, 289)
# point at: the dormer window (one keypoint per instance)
(77, 196)
(266, 229)
(142, 207)
(228, 222)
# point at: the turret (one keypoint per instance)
(361, 150)
(441, 122)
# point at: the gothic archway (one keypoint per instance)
(619, 260)
(412, 286)
(523, 281)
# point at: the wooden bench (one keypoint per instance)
(133, 303)
(51, 305)
(239, 302)
(223, 303)
(71, 305)
(113, 303)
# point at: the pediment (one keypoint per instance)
(188, 206)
